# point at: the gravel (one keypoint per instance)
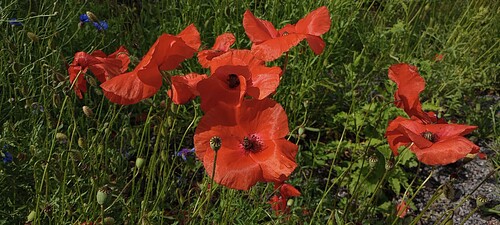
(462, 179)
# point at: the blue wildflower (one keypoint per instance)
(185, 152)
(102, 25)
(14, 22)
(7, 158)
(84, 18)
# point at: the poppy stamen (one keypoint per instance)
(429, 136)
(233, 81)
(285, 33)
(251, 143)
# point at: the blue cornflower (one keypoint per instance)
(184, 152)
(84, 18)
(7, 158)
(14, 22)
(102, 25)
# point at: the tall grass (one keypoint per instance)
(342, 98)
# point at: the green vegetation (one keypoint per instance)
(338, 105)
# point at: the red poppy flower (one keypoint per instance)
(278, 205)
(102, 66)
(184, 87)
(253, 145)
(235, 74)
(269, 43)
(221, 46)
(410, 84)
(434, 144)
(286, 190)
(438, 57)
(145, 80)
(401, 209)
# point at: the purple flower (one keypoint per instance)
(185, 152)
(14, 22)
(7, 158)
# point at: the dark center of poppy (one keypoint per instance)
(251, 143)
(285, 33)
(233, 81)
(429, 136)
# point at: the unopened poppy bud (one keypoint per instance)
(92, 16)
(481, 200)
(289, 202)
(102, 195)
(139, 162)
(31, 216)
(109, 220)
(215, 143)
(61, 137)
(100, 148)
(301, 131)
(87, 111)
(81, 143)
(373, 160)
(449, 191)
(33, 36)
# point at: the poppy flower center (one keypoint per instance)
(285, 33)
(429, 136)
(251, 143)
(233, 81)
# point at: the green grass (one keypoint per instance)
(342, 98)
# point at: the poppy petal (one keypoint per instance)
(278, 164)
(78, 73)
(410, 85)
(445, 152)
(191, 37)
(395, 138)
(258, 30)
(316, 43)
(264, 81)
(449, 130)
(224, 41)
(123, 55)
(214, 91)
(272, 49)
(184, 87)
(315, 23)
(287, 190)
(274, 123)
(128, 88)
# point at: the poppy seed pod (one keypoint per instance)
(481, 200)
(373, 160)
(389, 164)
(92, 16)
(87, 111)
(215, 143)
(102, 195)
(33, 36)
(139, 162)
